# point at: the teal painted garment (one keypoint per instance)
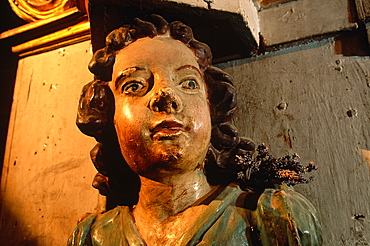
(277, 218)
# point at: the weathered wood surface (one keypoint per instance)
(305, 19)
(309, 100)
(46, 180)
(246, 8)
(264, 4)
(363, 10)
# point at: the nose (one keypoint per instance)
(166, 100)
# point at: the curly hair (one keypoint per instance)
(96, 110)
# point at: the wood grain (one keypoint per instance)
(363, 10)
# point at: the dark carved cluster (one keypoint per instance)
(258, 173)
(266, 171)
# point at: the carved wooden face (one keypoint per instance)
(162, 116)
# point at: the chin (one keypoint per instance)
(166, 163)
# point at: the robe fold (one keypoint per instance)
(233, 218)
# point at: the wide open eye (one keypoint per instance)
(190, 84)
(133, 87)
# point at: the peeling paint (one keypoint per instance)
(292, 15)
(365, 154)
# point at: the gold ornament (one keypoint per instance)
(32, 10)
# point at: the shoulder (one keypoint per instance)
(285, 217)
(89, 224)
(80, 234)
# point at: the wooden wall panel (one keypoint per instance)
(326, 120)
(47, 174)
(270, 3)
(363, 10)
(305, 19)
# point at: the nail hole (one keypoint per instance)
(282, 106)
(358, 216)
(351, 113)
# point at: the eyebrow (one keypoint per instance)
(126, 72)
(188, 67)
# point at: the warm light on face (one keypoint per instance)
(162, 115)
(127, 112)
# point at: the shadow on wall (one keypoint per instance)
(17, 234)
(353, 43)
(349, 44)
(8, 69)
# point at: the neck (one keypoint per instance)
(170, 196)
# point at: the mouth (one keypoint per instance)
(167, 130)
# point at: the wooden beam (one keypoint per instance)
(363, 10)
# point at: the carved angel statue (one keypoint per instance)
(166, 154)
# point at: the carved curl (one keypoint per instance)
(96, 109)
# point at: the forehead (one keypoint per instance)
(160, 50)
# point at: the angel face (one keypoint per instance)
(162, 116)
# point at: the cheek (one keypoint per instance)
(125, 112)
(202, 122)
(202, 119)
(129, 120)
